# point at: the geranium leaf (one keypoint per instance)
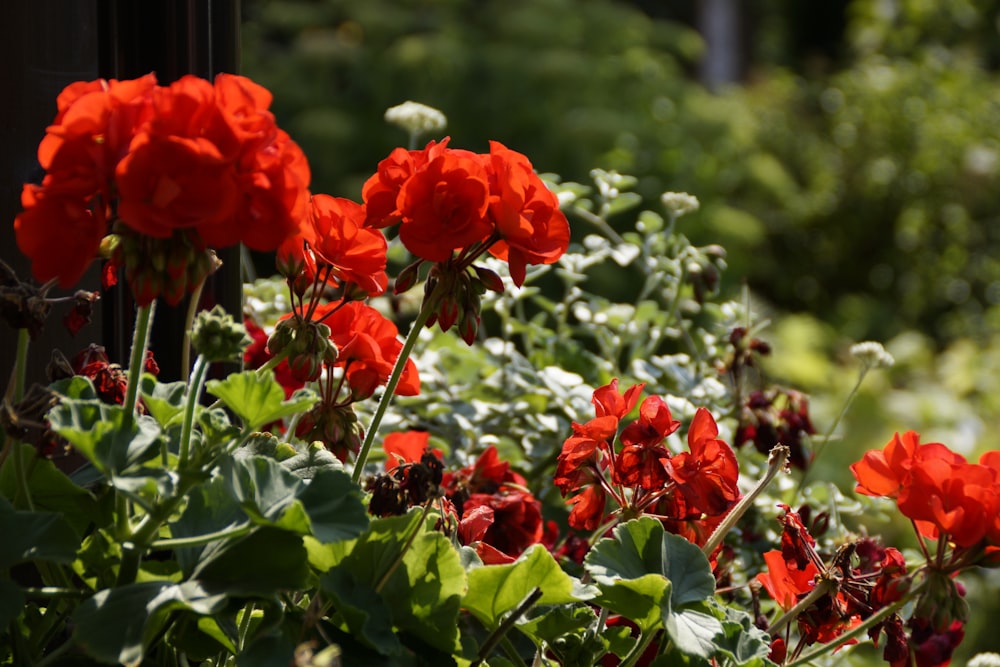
(423, 591)
(262, 563)
(11, 601)
(259, 399)
(640, 600)
(99, 626)
(34, 536)
(366, 615)
(497, 589)
(211, 508)
(97, 430)
(164, 401)
(693, 632)
(640, 547)
(742, 641)
(51, 490)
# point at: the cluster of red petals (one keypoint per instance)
(334, 245)
(447, 199)
(109, 380)
(873, 579)
(367, 348)
(496, 513)
(936, 488)
(192, 156)
(699, 485)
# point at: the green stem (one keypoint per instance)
(199, 374)
(775, 461)
(857, 631)
(244, 629)
(140, 343)
(200, 540)
(833, 427)
(429, 306)
(501, 630)
(822, 587)
(641, 643)
(54, 592)
(406, 547)
(20, 371)
(189, 316)
(133, 548)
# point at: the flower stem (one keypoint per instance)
(833, 427)
(857, 631)
(775, 461)
(822, 587)
(200, 540)
(20, 370)
(199, 373)
(501, 630)
(429, 306)
(140, 343)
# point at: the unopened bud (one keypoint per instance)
(407, 278)
(489, 279)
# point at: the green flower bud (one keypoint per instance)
(217, 336)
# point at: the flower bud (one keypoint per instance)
(407, 278)
(217, 336)
(489, 279)
(282, 336)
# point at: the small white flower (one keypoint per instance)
(416, 118)
(985, 660)
(680, 203)
(872, 354)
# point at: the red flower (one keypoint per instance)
(333, 240)
(381, 191)
(184, 166)
(640, 461)
(47, 217)
(526, 214)
(881, 472)
(368, 345)
(443, 206)
(608, 401)
(707, 476)
(786, 584)
(405, 447)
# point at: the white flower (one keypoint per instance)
(416, 118)
(679, 203)
(985, 660)
(872, 354)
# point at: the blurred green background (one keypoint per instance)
(846, 154)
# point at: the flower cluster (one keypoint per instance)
(946, 497)
(171, 170)
(690, 491)
(487, 503)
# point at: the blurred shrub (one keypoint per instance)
(864, 196)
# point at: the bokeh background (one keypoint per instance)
(846, 154)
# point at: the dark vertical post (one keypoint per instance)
(39, 56)
(171, 38)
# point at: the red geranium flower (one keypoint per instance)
(525, 213)
(381, 191)
(334, 244)
(443, 206)
(707, 476)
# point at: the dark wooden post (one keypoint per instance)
(44, 45)
(171, 38)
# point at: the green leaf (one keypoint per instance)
(34, 536)
(693, 632)
(164, 401)
(423, 590)
(742, 641)
(367, 615)
(11, 602)
(97, 430)
(641, 600)
(116, 624)
(548, 623)
(259, 399)
(52, 490)
(335, 506)
(211, 508)
(497, 589)
(262, 563)
(640, 547)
